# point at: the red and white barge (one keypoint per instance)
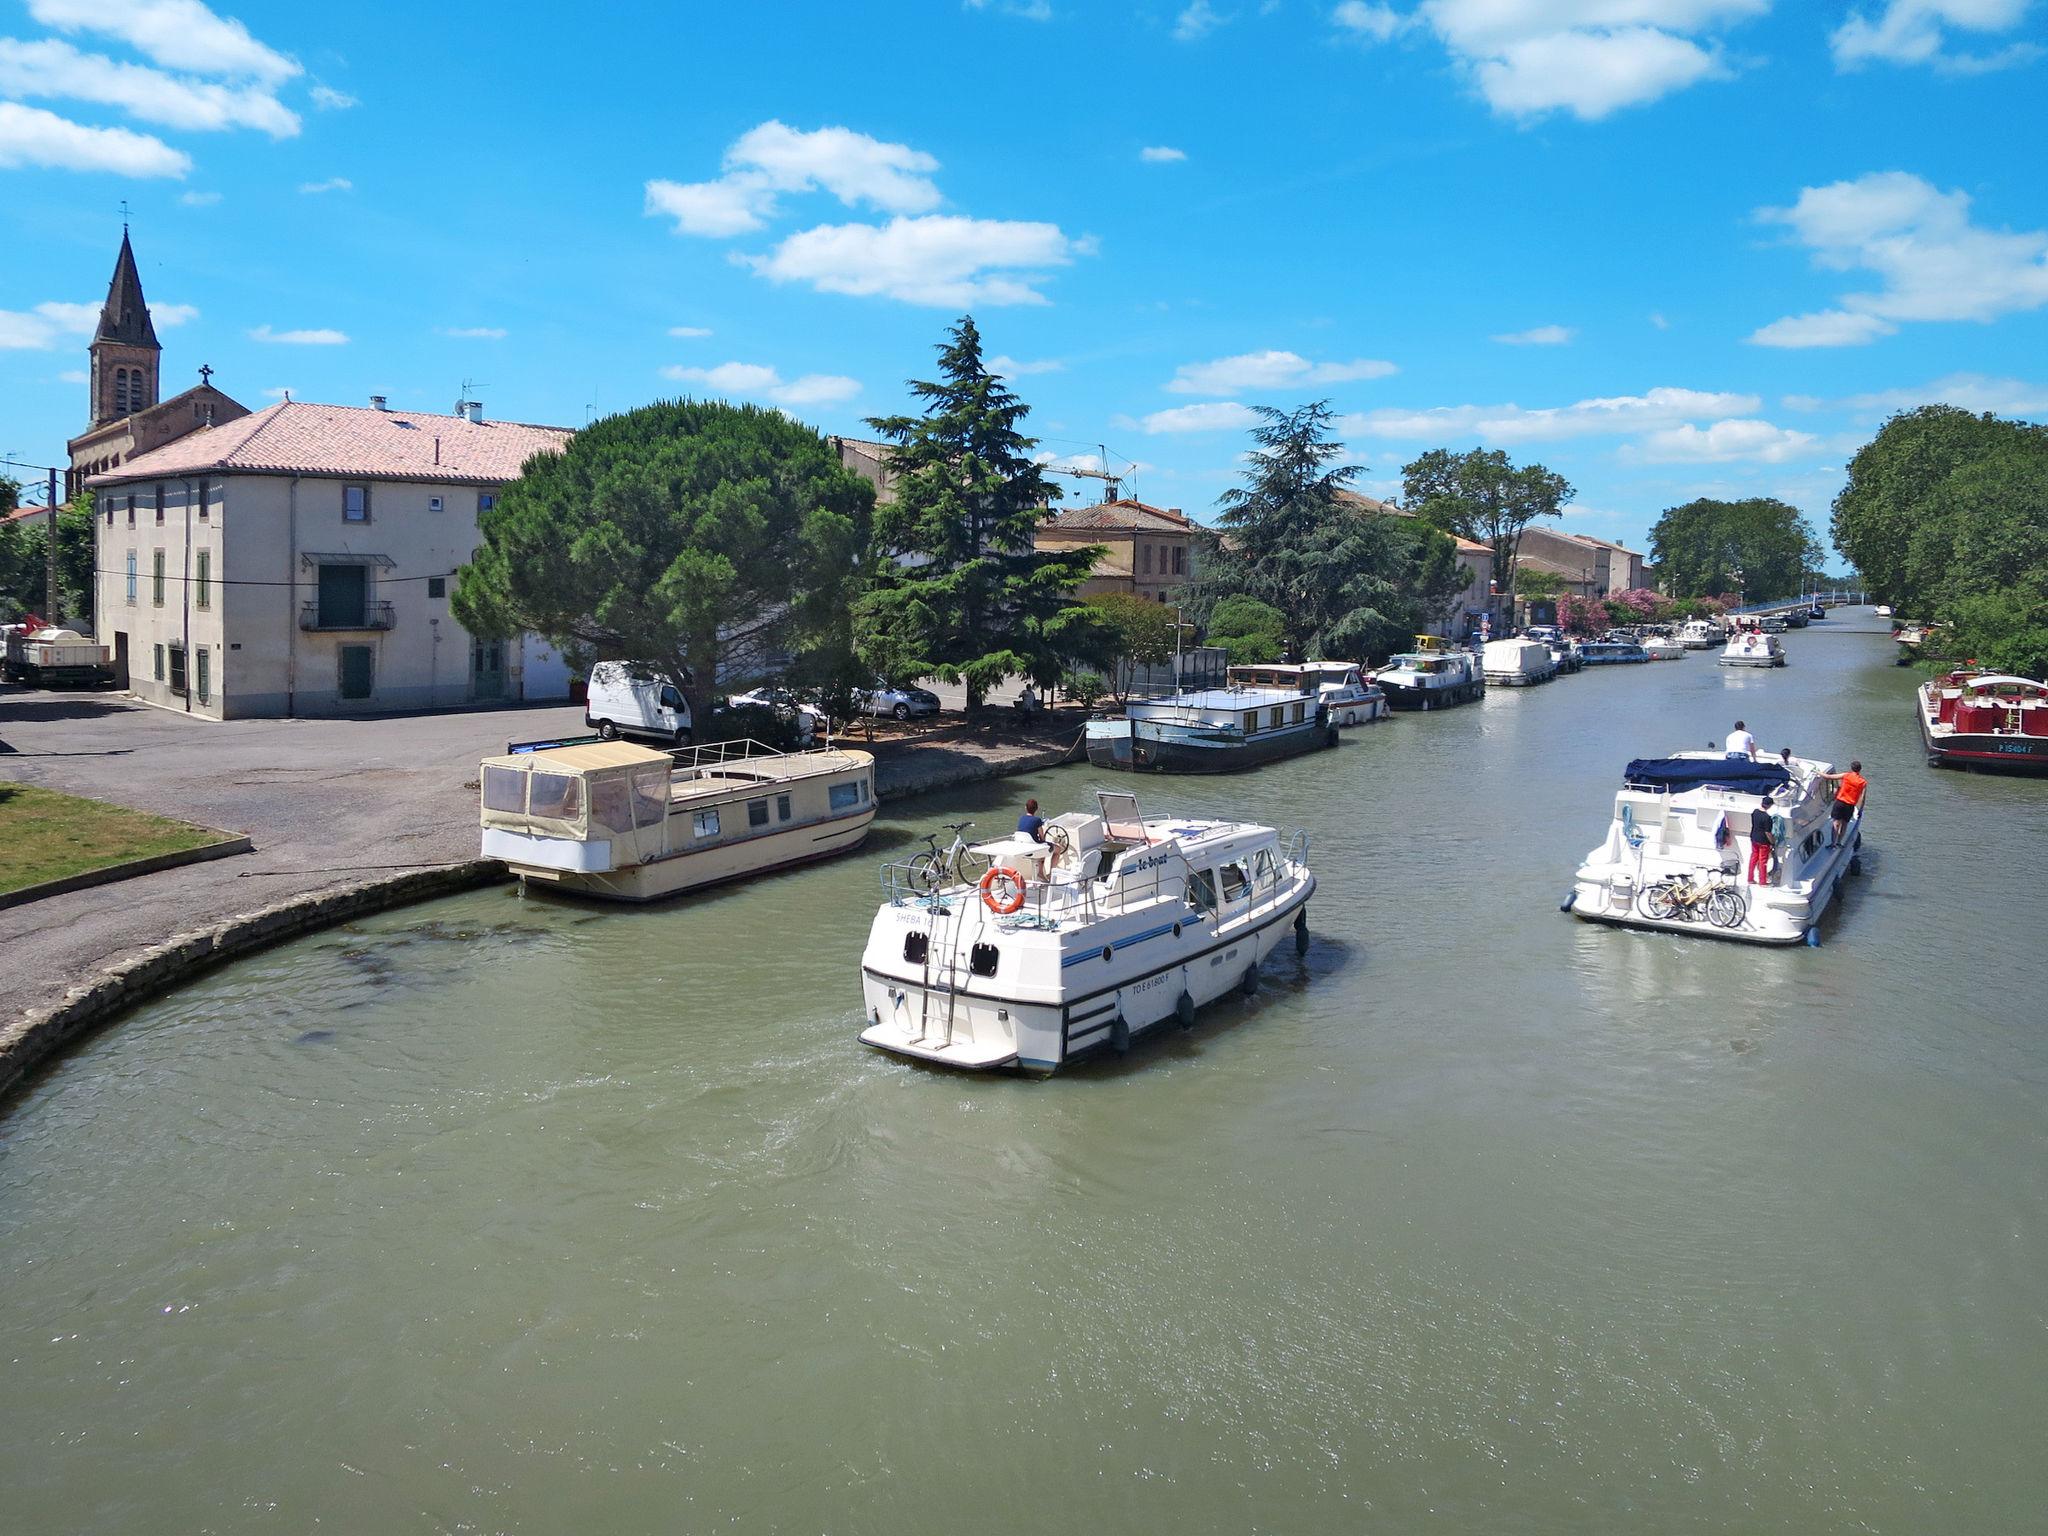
(1985, 720)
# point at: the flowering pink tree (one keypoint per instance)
(1640, 604)
(1581, 615)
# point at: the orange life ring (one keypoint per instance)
(1013, 882)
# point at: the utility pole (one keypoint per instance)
(50, 554)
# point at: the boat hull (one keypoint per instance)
(1405, 698)
(685, 872)
(1773, 914)
(1138, 746)
(1103, 1002)
(1986, 751)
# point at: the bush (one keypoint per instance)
(1086, 688)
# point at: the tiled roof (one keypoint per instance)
(1372, 504)
(1129, 515)
(23, 514)
(296, 437)
(1471, 546)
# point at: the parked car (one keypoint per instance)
(810, 720)
(902, 703)
(1547, 633)
(631, 699)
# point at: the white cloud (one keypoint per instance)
(74, 376)
(474, 332)
(757, 381)
(278, 392)
(164, 314)
(1269, 370)
(29, 136)
(1966, 391)
(56, 69)
(1613, 415)
(1660, 322)
(775, 158)
(1027, 10)
(941, 259)
(1913, 32)
(1196, 21)
(178, 34)
(689, 332)
(1161, 154)
(328, 99)
(331, 184)
(78, 319)
(1211, 416)
(1725, 442)
(55, 321)
(1375, 23)
(315, 338)
(1587, 57)
(1933, 263)
(1540, 336)
(1017, 368)
(199, 199)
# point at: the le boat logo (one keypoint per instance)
(1152, 861)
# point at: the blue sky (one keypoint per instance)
(1668, 247)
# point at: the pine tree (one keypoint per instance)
(963, 593)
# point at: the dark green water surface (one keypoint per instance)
(513, 1215)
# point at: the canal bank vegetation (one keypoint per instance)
(47, 836)
(1484, 496)
(1758, 547)
(1945, 515)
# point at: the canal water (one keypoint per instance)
(511, 1215)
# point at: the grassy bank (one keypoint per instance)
(45, 835)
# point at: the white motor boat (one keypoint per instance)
(1699, 635)
(1518, 663)
(1340, 687)
(1432, 676)
(1119, 925)
(1662, 648)
(1677, 850)
(1752, 648)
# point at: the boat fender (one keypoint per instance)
(1250, 983)
(1002, 890)
(1176, 930)
(1856, 865)
(1301, 932)
(1330, 737)
(1184, 1010)
(1120, 1034)
(1813, 937)
(1570, 897)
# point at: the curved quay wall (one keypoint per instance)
(42, 1033)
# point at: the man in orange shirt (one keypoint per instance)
(1849, 791)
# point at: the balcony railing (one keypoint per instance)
(369, 616)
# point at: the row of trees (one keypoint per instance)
(1945, 514)
(1760, 546)
(24, 546)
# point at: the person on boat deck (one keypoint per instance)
(1031, 824)
(1781, 839)
(1760, 844)
(1850, 788)
(1740, 743)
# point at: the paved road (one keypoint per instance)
(325, 801)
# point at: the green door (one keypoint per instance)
(358, 671)
(344, 594)
(487, 669)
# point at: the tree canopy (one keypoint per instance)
(1248, 630)
(1945, 513)
(1699, 548)
(24, 584)
(717, 543)
(961, 590)
(1126, 632)
(1347, 581)
(1484, 496)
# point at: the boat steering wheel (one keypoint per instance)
(1057, 840)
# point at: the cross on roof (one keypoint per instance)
(205, 373)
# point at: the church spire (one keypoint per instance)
(125, 318)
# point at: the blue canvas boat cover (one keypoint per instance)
(1678, 774)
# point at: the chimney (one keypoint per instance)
(473, 410)
(377, 403)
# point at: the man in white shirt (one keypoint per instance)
(1740, 743)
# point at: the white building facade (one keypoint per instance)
(300, 561)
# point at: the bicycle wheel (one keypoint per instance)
(971, 866)
(927, 872)
(1659, 902)
(1725, 908)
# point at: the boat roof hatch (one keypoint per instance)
(1120, 815)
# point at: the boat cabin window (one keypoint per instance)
(1297, 713)
(650, 798)
(1277, 716)
(782, 807)
(611, 804)
(558, 796)
(504, 790)
(1251, 723)
(1202, 891)
(915, 947)
(1236, 884)
(704, 824)
(846, 796)
(757, 813)
(1265, 872)
(981, 959)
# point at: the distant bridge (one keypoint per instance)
(1838, 599)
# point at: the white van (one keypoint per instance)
(631, 699)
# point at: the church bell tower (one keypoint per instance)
(126, 357)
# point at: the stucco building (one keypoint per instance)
(1587, 566)
(1147, 551)
(299, 561)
